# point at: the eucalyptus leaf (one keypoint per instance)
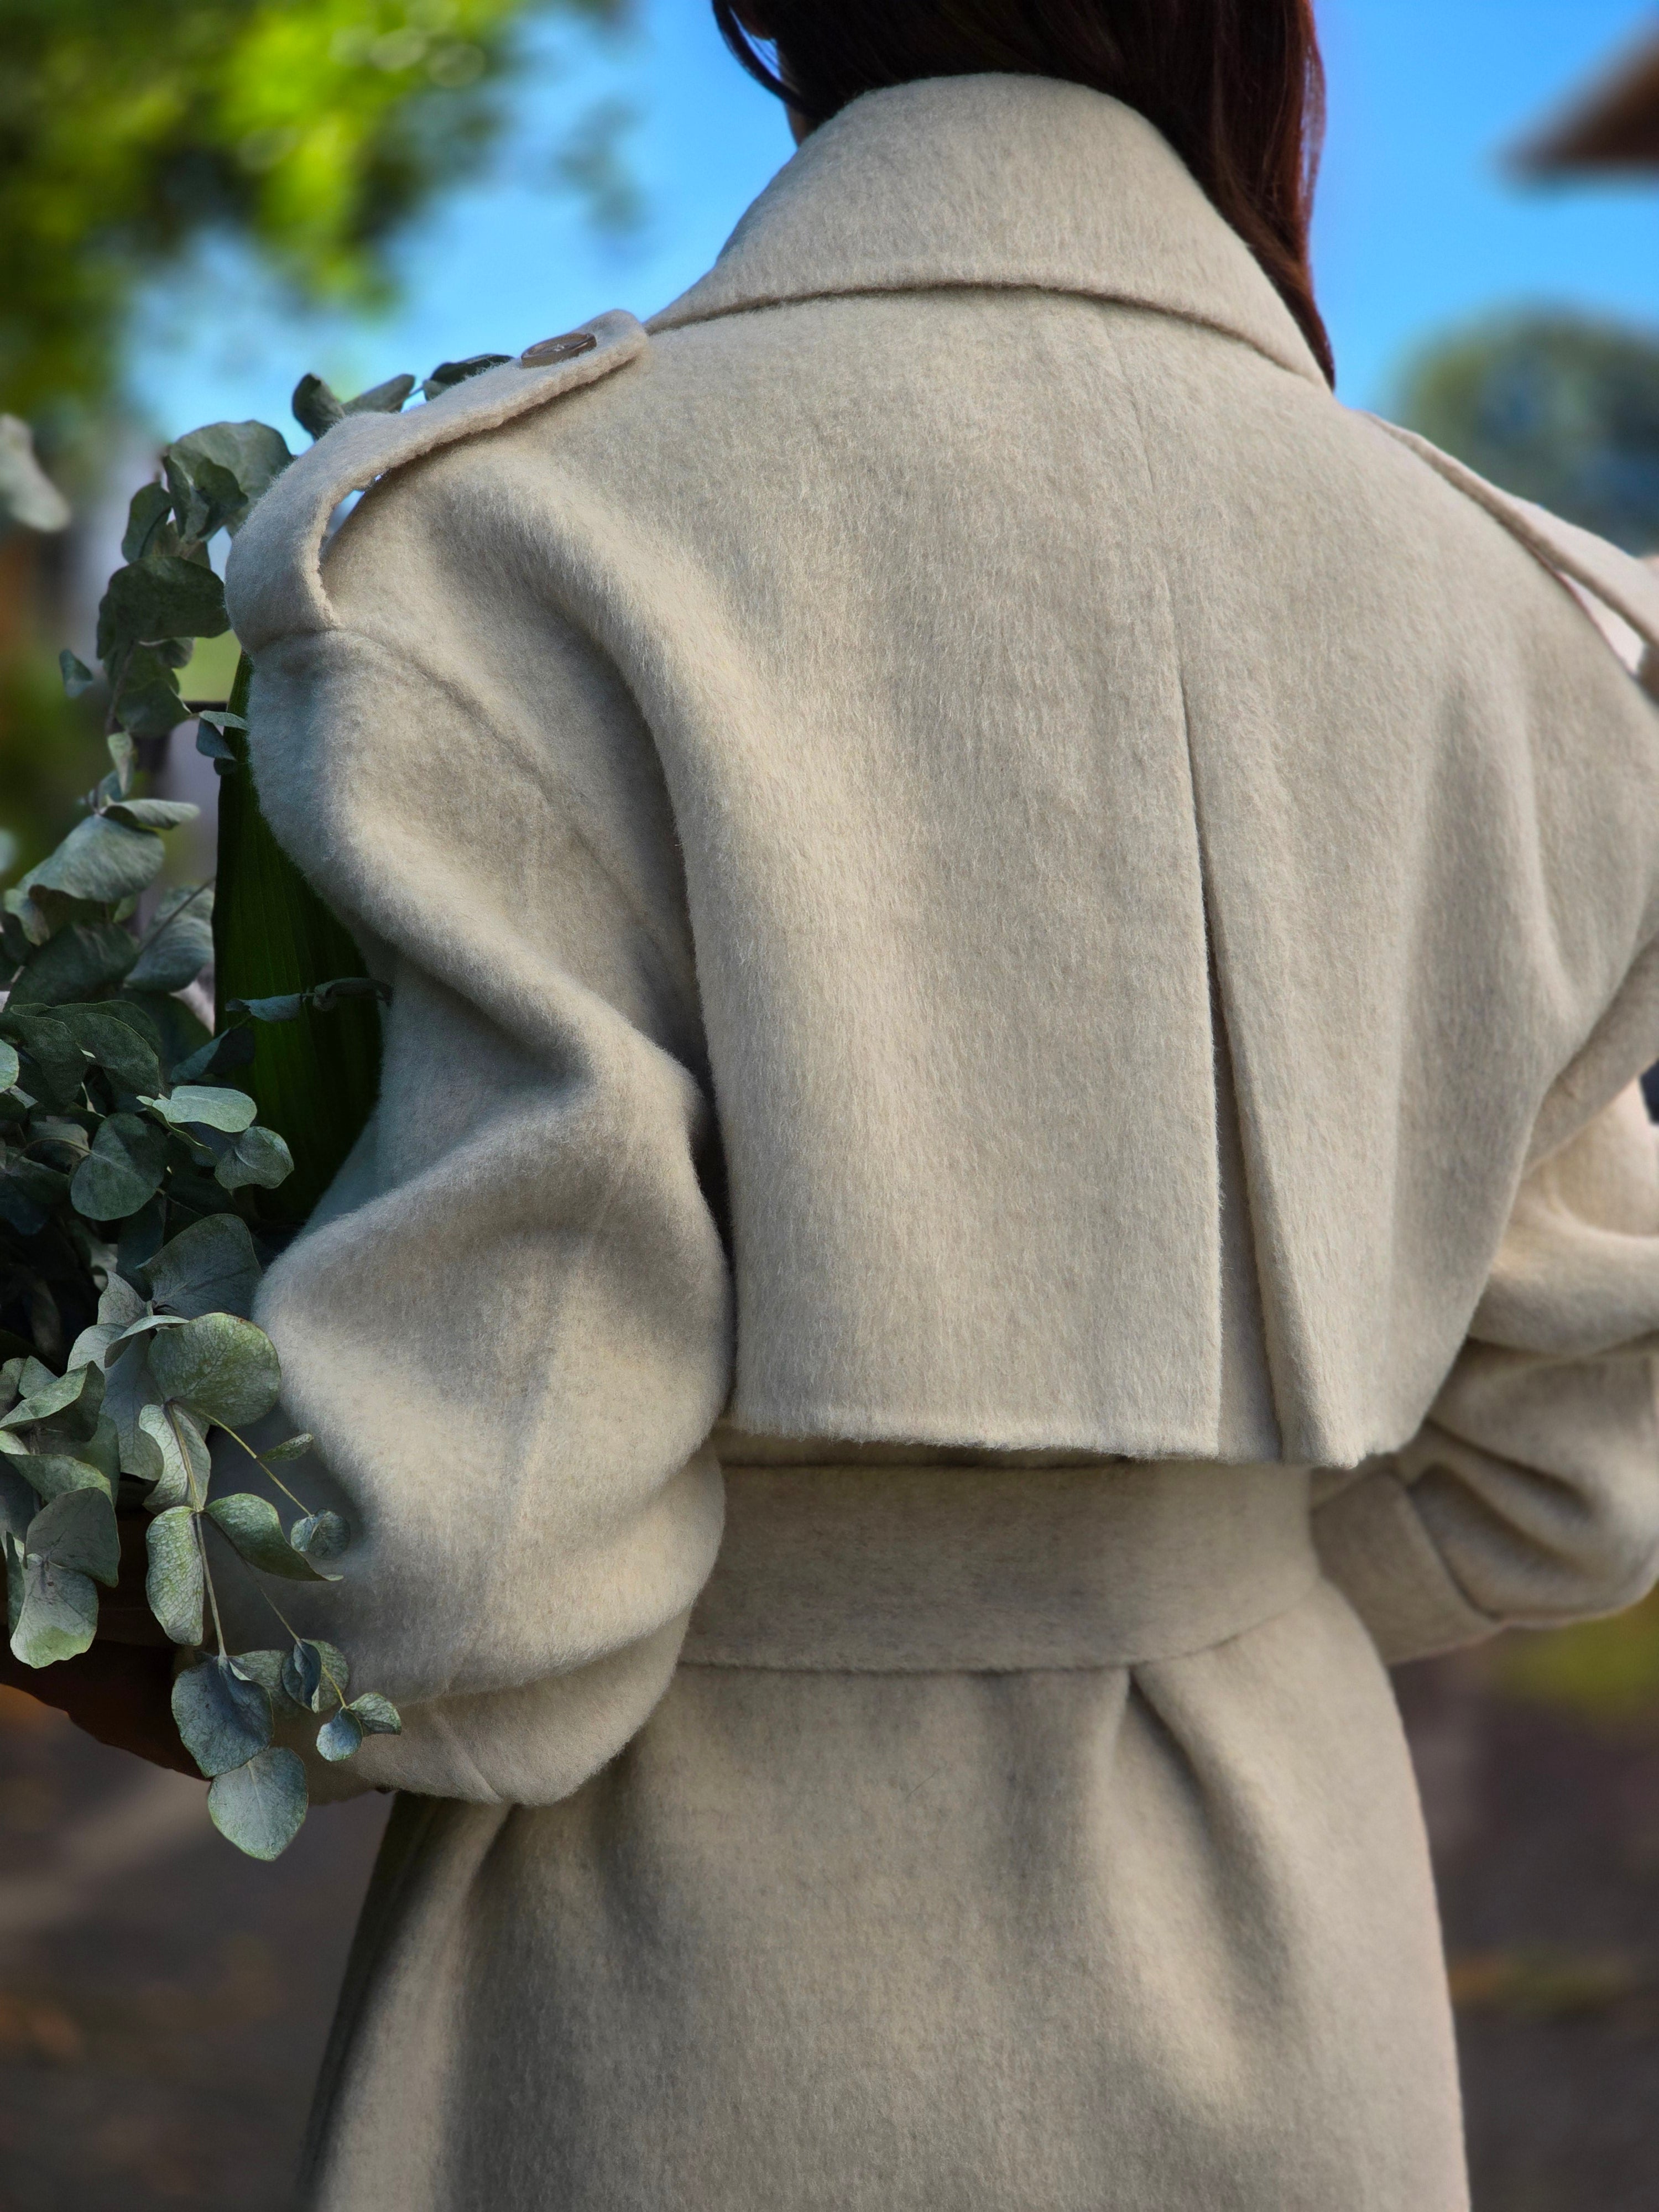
(85, 957)
(117, 1046)
(186, 1461)
(265, 1668)
(60, 1062)
(339, 1737)
(149, 704)
(178, 943)
(149, 508)
(252, 452)
(153, 813)
(10, 1067)
(210, 1267)
(73, 1400)
(224, 1720)
(321, 1536)
(290, 1447)
(260, 1808)
(316, 408)
(221, 1056)
(210, 742)
(77, 1529)
(204, 1106)
(221, 1366)
(173, 1585)
(19, 1503)
(100, 859)
(124, 1168)
(377, 1715)
(57, 1617)
(77, 676)
(315, 1675)
(258, 1158)
(161, 596)
(57, 1474)
(286, 1007)
(385, 398)
(252, 1524)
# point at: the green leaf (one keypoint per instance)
(286, 1007)
(173, 1585)
(10, 1068)
(124, 1168)
(153, 813)
(315, 1675)
(19, 1504)
(178, 943)
(186, 1464)
(100, 859)
(77, 676)
(221, 1366)
(221, 1056)
(205, 495)
(265, 1668)
(258, 1156)
(252, 452)
(319, 1535)
(377, 1714)
(210, 1267)
(161, 596)
(224, 1719)
(385, 398)
(116, 1043)
(57, 1617)
(316, 408)
(85, 958)
(200, 1105)
(72, 1401)
(150, 506)
(77, 1530)
(261, 1808)
(58, 1064)
(290, 1447)
(252, 1526)
(338, 1738)
(449, 372)
(146, 703)
(55, 1474)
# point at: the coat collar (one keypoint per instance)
(999, 181)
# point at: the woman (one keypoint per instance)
(1019, 945)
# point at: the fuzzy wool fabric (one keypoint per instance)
(971, 867)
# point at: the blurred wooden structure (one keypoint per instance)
(1612, 126)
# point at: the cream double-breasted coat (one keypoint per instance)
(1011, 926)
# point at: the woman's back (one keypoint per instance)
(965, 862)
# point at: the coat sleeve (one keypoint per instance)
(509, 1326)
(1530, 1495)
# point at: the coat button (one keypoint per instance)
(559, 349)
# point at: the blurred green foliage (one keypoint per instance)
(1557, 408)
(313, 128)
(1606, 1670)
(52, 751)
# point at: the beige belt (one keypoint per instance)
(906, 1569)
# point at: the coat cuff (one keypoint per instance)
(1372, 1545)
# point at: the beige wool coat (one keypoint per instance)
(1019, 945)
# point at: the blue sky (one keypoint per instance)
(1418, 228)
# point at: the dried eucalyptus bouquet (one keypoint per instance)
(144, 1186)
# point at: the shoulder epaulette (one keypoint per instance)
(273, 581)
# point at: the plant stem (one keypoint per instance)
(268, 1472)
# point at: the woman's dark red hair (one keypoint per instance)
(1235, 86)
